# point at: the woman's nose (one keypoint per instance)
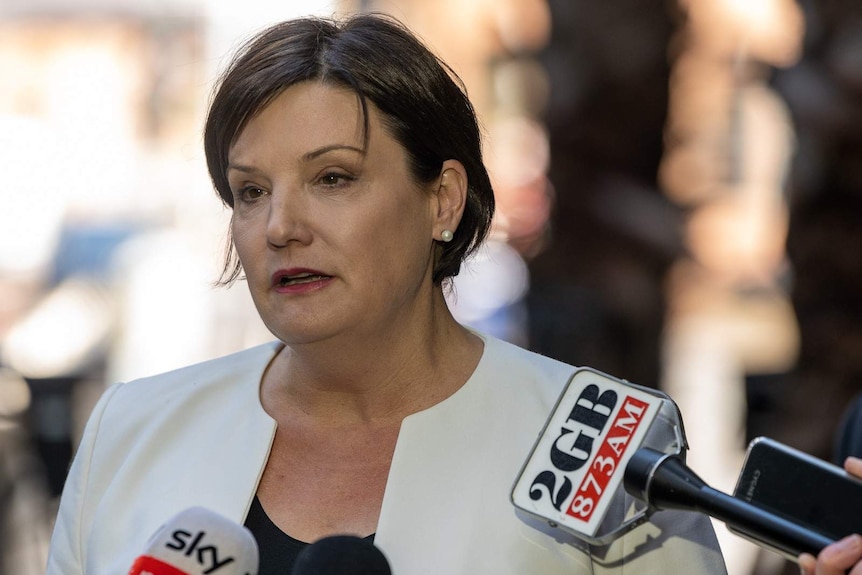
(287, 221)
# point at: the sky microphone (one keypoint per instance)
(663, 481)
(198, 541)
(341, 555)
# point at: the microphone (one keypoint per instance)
(198, 541)
(572, 479)
(341, 554)
(663, 481)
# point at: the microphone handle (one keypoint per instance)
(761, 525)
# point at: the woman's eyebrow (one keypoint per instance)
(323, 150)
(242, 168)
(306, 157)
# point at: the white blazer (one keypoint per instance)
(199, 436)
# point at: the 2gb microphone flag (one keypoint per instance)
(574, 473)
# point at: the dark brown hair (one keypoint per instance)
(422, 102)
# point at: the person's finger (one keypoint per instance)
(837, 558)
(853, 465)
(807, 564)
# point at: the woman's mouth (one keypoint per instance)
(299, 280)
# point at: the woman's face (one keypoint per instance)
(334, 237)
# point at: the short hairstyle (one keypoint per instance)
(423, 103)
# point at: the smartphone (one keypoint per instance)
(800, 488)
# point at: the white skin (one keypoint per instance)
(369, 338)
(844, 556)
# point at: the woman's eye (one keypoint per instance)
(249, 194)
(334, 179)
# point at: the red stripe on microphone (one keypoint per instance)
(146, 565)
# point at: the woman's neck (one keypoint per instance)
(375, 380)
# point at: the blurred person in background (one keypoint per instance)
(804, 406)
(351, 160)
(596, 285)
(823, 91)
(56, 320)
(30, 227)
(56, 273)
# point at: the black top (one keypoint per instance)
(278, 550)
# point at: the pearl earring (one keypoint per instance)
(446, 236)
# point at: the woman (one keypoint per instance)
(351, 160)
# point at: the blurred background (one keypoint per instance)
(679, 186)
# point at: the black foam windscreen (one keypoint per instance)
(341, 555)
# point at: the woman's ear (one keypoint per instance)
(450, 197)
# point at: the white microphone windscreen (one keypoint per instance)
(198, 541)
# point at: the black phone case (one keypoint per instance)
(800, 488)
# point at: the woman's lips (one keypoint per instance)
(299, 280)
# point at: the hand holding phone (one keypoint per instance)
(843, 555)
(800, 488)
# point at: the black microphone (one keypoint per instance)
(663, 481)
(341, 555)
